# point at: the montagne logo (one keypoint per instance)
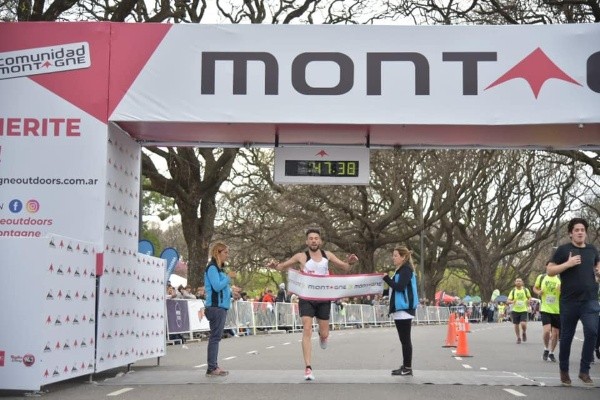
(536, 69)
(45, 60)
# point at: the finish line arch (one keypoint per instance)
(78, 101)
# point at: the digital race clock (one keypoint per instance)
(322, 165)
(321, 168)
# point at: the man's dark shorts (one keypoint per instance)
(552, 319)
(518, 317)
(319, 309)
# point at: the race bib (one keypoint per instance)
(519, 303)
(550, 299)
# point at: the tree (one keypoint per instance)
(194, 186)
(510, 216)
(155, 204)
(410, 191)
(354, 219)
(494, 12)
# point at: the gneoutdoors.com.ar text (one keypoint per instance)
(48, 181)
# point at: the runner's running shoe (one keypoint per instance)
(551, 357)
(323, 342)
(545, 355)
(308, 375)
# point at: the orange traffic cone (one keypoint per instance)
(467, 325)
(451, 335)
(462, 350)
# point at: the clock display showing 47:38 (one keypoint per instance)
(321, 168)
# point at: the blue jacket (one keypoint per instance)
(404, 286)
(216, 285)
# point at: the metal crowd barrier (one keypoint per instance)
(245, 318)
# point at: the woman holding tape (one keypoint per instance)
(404, 300)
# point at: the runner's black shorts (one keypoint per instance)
(319, 309)
(518, 317)
(552, 319)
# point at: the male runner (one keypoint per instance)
(314, 261)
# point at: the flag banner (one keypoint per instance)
(178, 319)
(146, 247)
(198, 321)
(333, 287)
(172, 256)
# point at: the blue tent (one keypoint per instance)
(501, 299)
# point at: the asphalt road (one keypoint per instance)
(356, 365)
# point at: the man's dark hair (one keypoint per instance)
(313, 230)
(576, 221)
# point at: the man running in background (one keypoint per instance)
(519, 298)
(314, 261)
(548, 289)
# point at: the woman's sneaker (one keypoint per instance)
(308, 375)
(402, 371)
(551, 357)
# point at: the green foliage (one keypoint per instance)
(259, 281)
(455, 283)
(153, 236)
(155, 204)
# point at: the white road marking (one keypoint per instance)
(529, 379)
(254, 352)
(515, 393)
(467, 366)
(286, 343)
(200, 366)
(230, 358)
(483, 368)
(270, 347)
(118, 392)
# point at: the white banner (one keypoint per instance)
(196, 310)
(52, 165)
(331, 74)
(48, 320)
(131, 310)
(333, 287)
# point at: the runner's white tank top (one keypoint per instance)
(317, 268)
